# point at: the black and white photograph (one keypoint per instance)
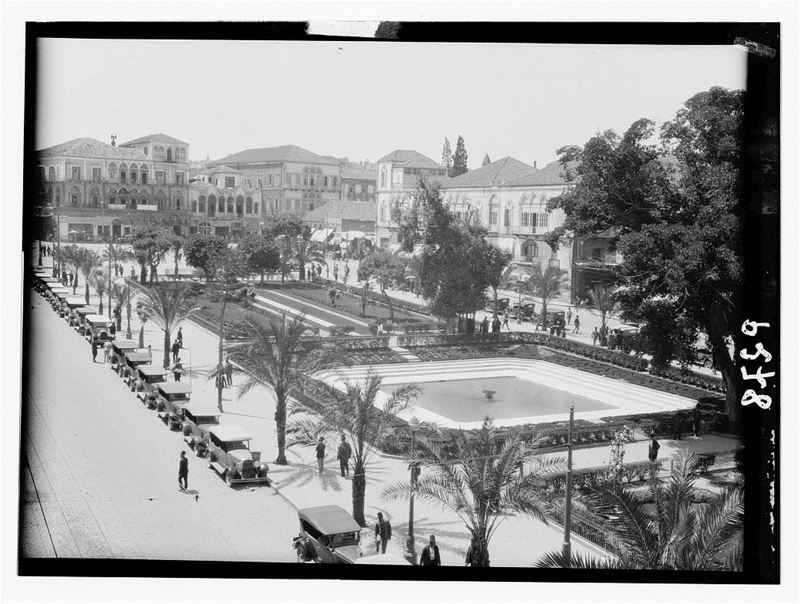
(317, 300)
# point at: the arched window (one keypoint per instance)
(123, 173)
(94, 197)
(221, 205)
(494, 206)
(248, 206)
(202, 204)
(112, 171)
(144, 175)
(169, 153)
(239, 205)
(255, 208)
(178, 202)
(230, 205)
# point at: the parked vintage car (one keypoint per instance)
(328, 535)
(149, 376)
(119, 348)
(82, 313)
(526, 312)
(502, 304)
(197, 419)
(230, 456)
(170, 400)
(98, 328)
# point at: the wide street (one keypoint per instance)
(100, 470)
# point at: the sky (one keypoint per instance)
(363, 100)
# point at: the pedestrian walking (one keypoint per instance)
(95, 344)
(577, 324)
(485, 325)
(177, 370)
(569, 315)
(220, 376)
(383, 532)
(343, 455)
(179, 337)
(430, 554)
(176, 349)
(595, 336)
(228, 371)
(505, 321)
(652, 450)
(183, 472)
(106, 351)
(496, 324)
(321, 454)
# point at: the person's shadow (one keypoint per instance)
(191, 492)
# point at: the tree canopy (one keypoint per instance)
(261, 252)
(151, 242)
(203, 251)
(674, 208)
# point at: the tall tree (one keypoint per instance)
(100, 283)
(202, 251)
(87, 261)
(276, 358)
(385, 267)
(167, 305)
(677, 213)
(447, 157)
(602, 297)
(483, 485)
(262, 254)
(114, 255)
(661, 527)
(304, 252)
(151, 242)
(353, 413)
(176, 245)
(460, 158)
(457, 263)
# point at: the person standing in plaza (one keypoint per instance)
(177, 370)
(505, 320)
(569, 315)
(183, 472)
(595, 336)
(112, 330)
(95, 344)
(179, 337)
(496, 324)
(430, 554)
(343, 455)
(320, 454)
(577, 324)
(652, 450)
(106, 351)
(176, 349)
(383, 532)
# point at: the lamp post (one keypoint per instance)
(566, 547)
(413, 467)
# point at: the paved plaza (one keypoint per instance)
(100, 469)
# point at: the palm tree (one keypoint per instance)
(177, 245)
(305, 251)
(483, 484)
(661, 528)
(114, 255)
(602, 298)
(167, 304)
(276, 358)
(99, 282)
(354, 414)
(87, 261)
(547, 284)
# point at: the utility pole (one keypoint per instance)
(566, 548)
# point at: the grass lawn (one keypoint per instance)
(347, 303)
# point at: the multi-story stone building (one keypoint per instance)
(290, 179)
(358, 184)
(399, 172)
(510, 198)
(221, 204)
(337, 217)
(100, 191)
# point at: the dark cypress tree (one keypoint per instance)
(460, 158)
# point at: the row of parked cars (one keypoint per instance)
(227, 447)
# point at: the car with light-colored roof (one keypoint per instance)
(230, 456)
(171, 397)
(328, 535)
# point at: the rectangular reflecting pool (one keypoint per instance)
(465, 400)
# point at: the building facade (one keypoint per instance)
(342, 216)
(358, 184)
(100, 192)
(510, 198)
(221, 204)
(399, 172)
(289, 179)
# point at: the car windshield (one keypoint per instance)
(211, 419)
(232, 445)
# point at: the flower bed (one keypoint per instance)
(686, 376)
(640, 379)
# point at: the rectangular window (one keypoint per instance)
(179, 178)
(144, 178)
(533, 219)
(122, 176)
(492, 218)
(325, 181)
(525, 219)
(311, 181)
(133, 176)
(334, 182)
(159, 177)
(358, 189)
(270, 180)
(543, 220)
(76, 173)
(177, 203)
(229, 182)
(96, 174)
(507, 217)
